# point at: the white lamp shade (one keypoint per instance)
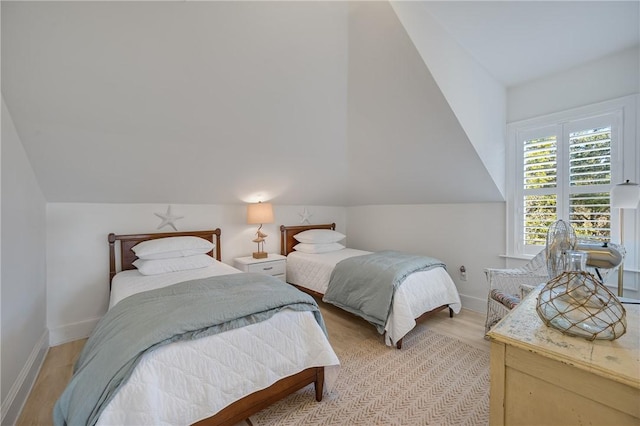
(625, 195)
(259, 213)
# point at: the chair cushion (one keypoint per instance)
(508, 300)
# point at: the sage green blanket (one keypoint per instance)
(365, 285)
(148, 320)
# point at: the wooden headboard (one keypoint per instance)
(287, 232)
(127, 256)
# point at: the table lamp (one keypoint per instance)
(259, 213)
(624, 196)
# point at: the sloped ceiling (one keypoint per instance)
(174, 102)
(519, 41)
(224, 102)
(405, 143)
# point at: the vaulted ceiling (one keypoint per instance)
(295, 102)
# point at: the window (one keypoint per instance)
(563, 167)
(567, 174)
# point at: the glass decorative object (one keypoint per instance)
(578, 304)
(575, 260)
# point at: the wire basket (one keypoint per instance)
(578, 304)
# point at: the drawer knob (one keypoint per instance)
(267, 269)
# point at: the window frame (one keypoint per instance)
(624, 164)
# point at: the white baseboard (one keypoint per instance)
(16, 398)
(71, 332)
(474, 303)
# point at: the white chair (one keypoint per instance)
(508, 286)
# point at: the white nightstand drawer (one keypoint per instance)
(274, 265)
(269, 268)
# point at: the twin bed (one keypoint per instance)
(421, 294)
(220, 379)
(207, 351)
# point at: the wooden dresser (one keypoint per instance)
(540, 376)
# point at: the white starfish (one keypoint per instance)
(168, 219)
(305, 216)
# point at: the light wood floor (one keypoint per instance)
(344, 330)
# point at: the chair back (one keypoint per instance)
(538, 264)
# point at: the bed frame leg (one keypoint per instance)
(424, 315)
(319, 383)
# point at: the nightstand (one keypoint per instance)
(274, 264)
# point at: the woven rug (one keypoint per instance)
(433, 380)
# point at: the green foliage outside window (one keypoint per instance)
(589, 167)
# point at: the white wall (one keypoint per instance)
(406, 138)
(403, 136)
(476, 97)
(77, 249)
(472, 235)
(24, 334)
(78, 259)
(170, 90)
(611, 77)
(607, 79)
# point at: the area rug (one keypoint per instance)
(434, 380)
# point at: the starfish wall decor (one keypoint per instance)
(168, 219)
(305, 216)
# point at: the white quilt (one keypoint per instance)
(184, 382)
(420, 292)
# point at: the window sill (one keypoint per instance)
(517, 256)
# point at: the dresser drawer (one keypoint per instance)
(270, 268)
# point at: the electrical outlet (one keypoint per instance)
(463, 273)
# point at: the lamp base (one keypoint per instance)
(260, 254)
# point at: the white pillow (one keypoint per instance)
(319, 236)
(175, 264)
(318, 248)
(165, 248)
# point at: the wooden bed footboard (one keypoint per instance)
(318, 296)
(257, 401)
(426, 315)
